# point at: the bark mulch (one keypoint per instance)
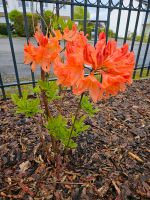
(112, 160)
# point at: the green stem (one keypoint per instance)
(76, 115)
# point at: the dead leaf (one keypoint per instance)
(142, 194)
(103, 190)
(116, 187)
(24, 166)
(26, 189)
(135, 157)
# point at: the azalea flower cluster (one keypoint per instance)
(113, 65)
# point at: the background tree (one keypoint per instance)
(79, 13)
(79, 17)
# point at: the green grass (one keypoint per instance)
(6, 36)
(144, 74)
(3, 36)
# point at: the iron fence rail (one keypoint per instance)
(109, 5)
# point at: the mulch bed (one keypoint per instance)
(112, 160)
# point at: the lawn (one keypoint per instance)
(144, 74)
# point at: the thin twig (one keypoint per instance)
(65, 183)
(41, 17)
(76, 114)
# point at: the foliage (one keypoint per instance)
(58, 23)
(57, 126)
(111, 34)
(50, 88)
(138, 37)
(16, 17)
(79, 13)
(89, 29)
(87, 106)
(28, 107)
(79, 126)
(145, 38)
(3, 29)
(14, 14)
(47, 16)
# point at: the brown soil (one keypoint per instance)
(112, 161)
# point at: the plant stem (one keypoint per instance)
(47, 111)
(76, 115)
(44, 97)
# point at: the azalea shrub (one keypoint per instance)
(66, 51)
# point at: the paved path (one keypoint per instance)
(6, 63)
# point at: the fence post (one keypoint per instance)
(27, 34)
(97, 20)
(2, 87)
(12, 47)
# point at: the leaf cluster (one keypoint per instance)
(57, 126)
(28, 107)
(79, 126)
(50, 88)
(87, 106)
(60, 23)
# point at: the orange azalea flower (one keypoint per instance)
(41, 39)
(89, 83)
(70, 72)
(69, 35)
(29, 55)
(42, 55)
(77, 45)
(57, 34)
(90, 56)
(114, 64)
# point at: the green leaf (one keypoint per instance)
(51, 89)
(61, 23)
(57, 127)
(36, 89)
(79, 126)
(28, 107)
(87, 106)
(69, 24)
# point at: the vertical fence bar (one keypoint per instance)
(12, 47)
(42, 14)
(145, 55)
(57, 8)
(128, 21)
(27, 34)
(108, 19)
(97, 21)
(148, 69)
(136, 25)
(85, 17)
(2, 87)
(140, 45)
(118, 19)
(72, 10)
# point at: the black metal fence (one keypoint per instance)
(111, 9)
